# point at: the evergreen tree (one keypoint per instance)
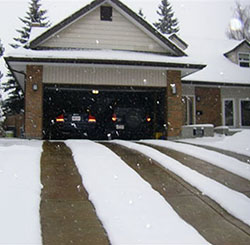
(1, 54)
(239, 28)
(1, 75)
(15, 102)
(34, 15)
(166, 24)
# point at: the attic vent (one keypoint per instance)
(106, 13)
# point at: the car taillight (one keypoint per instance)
(148, 119)
(114, 118)
(60, 118)
(91, 119)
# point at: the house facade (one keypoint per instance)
(103, 50)
(220, 93)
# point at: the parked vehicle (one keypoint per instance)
(130, 123)
(74, 125)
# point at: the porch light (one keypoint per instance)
(173, 88)
(34, 87)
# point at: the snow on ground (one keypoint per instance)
(125, 202)
(20, 191)
(229, 163)
(239, 142)
(234, 202)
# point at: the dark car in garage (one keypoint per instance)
(74, 125)
(129, 123)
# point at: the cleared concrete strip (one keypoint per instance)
(220, 175)
(67, 216)
(210, 220)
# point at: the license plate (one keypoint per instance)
(76, 118)
(121, 127)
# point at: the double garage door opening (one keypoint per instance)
(102, 113)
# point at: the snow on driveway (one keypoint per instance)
(130, 210)
(20, 190)
(229, 163)
(234, 202)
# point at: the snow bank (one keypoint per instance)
(232, 201)
(130, 210)
(229, 163)
(238, 143)
(20, 191)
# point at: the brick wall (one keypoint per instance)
(174, 106)
(34, 103)
(208, 106)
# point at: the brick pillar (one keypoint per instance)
(174, 106)
(208, 106)
(34, 102)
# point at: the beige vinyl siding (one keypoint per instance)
(234, 55)
(91, 32)
(104, 76)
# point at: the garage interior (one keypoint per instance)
(101, 102)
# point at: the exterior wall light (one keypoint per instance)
(173, 88)
(34, 87)
(95, 91)
(198, 98)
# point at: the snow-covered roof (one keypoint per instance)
(219, 68)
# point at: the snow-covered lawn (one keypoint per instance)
(123, 200)
(20, 191)
(239, 143)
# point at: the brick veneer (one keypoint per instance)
(208, 109)
(174, 106)
(34, 103)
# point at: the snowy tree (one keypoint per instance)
(1, 54)
(14, 103)
(239, 27)
(1, 75)
(166, 24)
(34, 15)
(15, 100)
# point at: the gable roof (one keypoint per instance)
(219, 70)
(34, 44)
(236, 47)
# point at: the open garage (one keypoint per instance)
(115, 112)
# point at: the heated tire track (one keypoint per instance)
(67, 216)
(205, 168)
(208, 218)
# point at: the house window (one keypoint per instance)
(244, 59)
(188, 103)
(228, 110)
(106, 13)
(245, 112)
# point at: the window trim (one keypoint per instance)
(239, 61)
(224, 111)
(240, 114)
(193, 109)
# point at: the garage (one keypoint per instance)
(111, 112)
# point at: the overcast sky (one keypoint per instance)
(203, 18)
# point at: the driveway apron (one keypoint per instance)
(67, 216)
(207, 217)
